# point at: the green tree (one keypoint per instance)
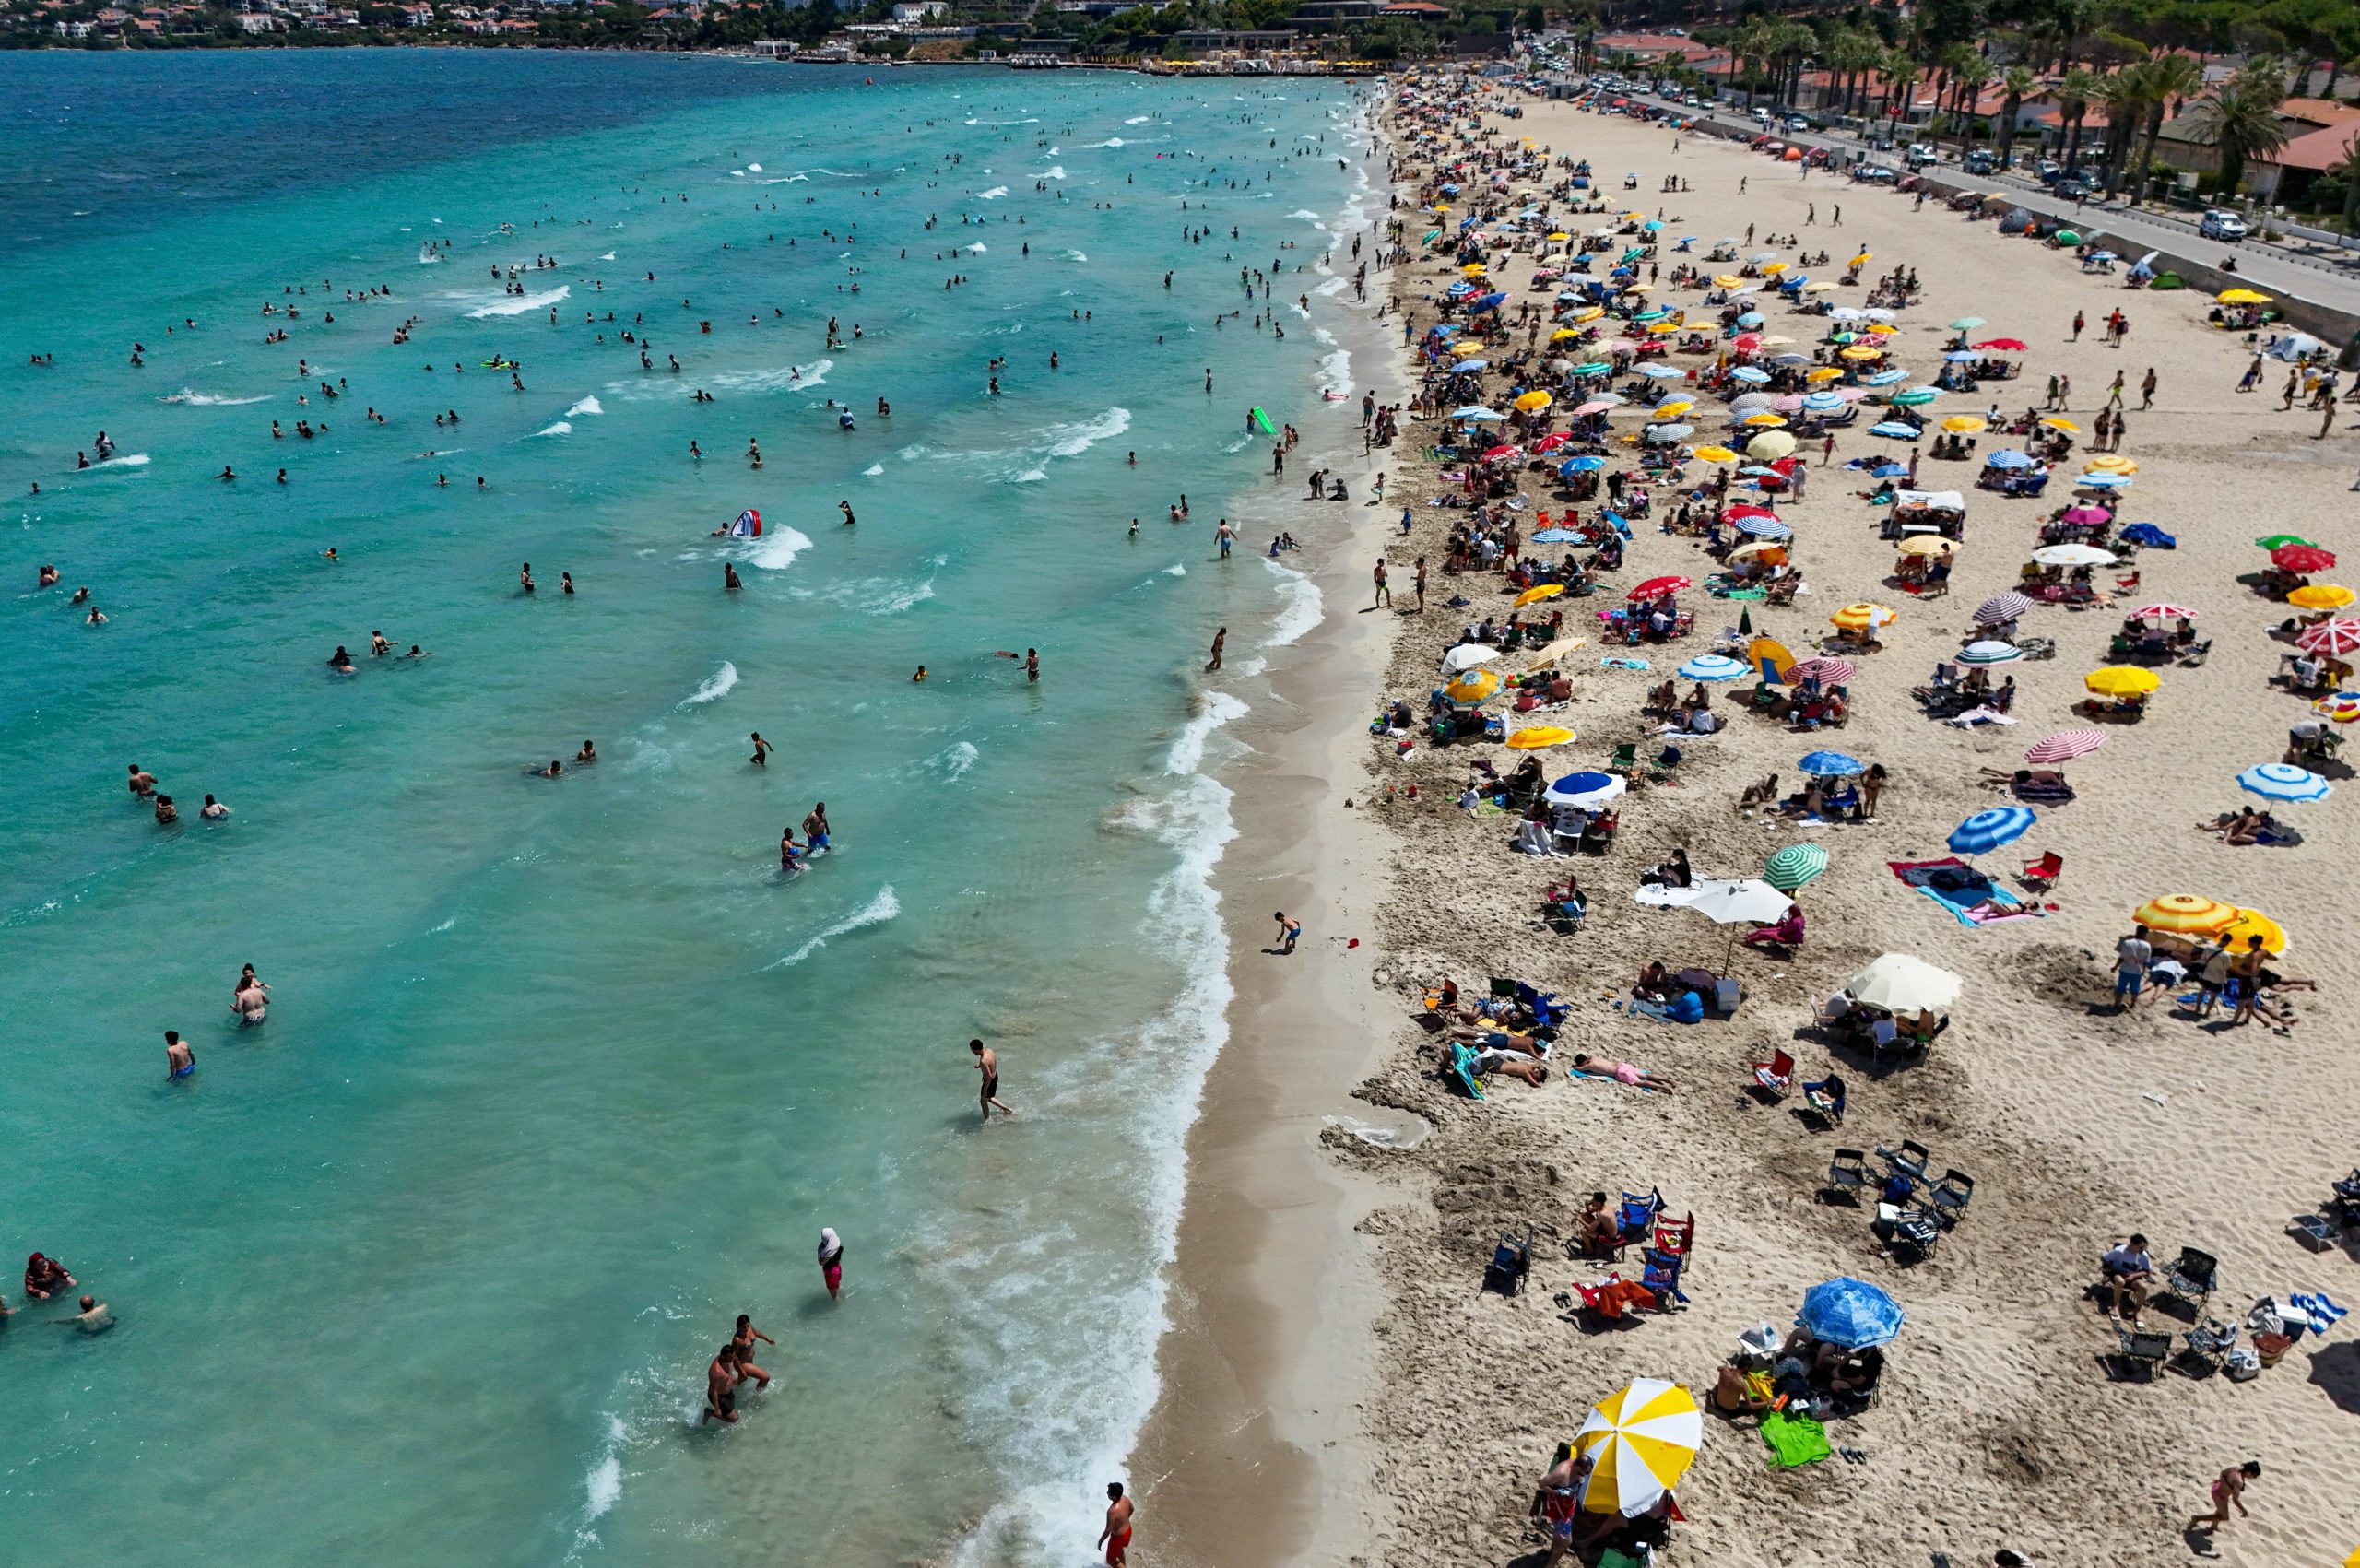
(2172, 80)
(2240, 117)
(2019, 83)
(2074, 91)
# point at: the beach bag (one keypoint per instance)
(1688, 1008)
(2242, 1364)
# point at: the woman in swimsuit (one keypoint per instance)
(832, 1260)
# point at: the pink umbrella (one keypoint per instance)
(1592, 408)
(1787, 405)
(2334, 638)
(1828, 672)
(2086, 515)
(2164, 612)
(2065, 745)
(1851, 394)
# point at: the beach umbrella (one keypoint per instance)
(1824, 372)
(2251, 923)
(1468, 367)
(1895, 430)
(2164, 612)
(1887, 377)
(1558, 536)
(2113, 463)
(1539, 591)
(2102, 480)
(1961, 356)
(1478, 412)
(2000, 609)
(2056, 422)
(1767, 551)
(1823, 402)
(1715, 667)
(1831, 765)
(2086, 516)
(1828, 672)
(2008, 459)
(1965, 424)
(1822, 287)
(1929, 544)
(1729, 280)
(1914, 396)
(2064, 746)
(1674, 408)
(1988, 830)
(1750, 318)
(2342, 707)
(2067, 237)
(2241, 297)
(1794, 866)
(1767, 654)
(1747, 902)
(1751, 402)
(1639, 1443)
(1538, 737)
(1534, 399)
(1473, 687)
(2072, 555)
(2006, 345)
(1551, 442)
(1667, 435)
(1595, 405)
(1754, 375)
(1765, 419)
(1765, 528)
(2283, 781)
(1663, 372)
(1864, 616)
(1463, 349)
(1587, 790)
(1966, 323)
(2273, 541)
(2121, 680)
(1655, 587)
(2302, 558)
(1715, 454)
(2149, 534)
(1850, 1313)
(1770, 446)
(1499, 451)
(2186, 915)
(2334, 638)
(1468, 656)
(1860, 352)
(1900, 984)
(2320, 595)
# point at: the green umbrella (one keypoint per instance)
(2064, 237)
(1745, 622)
(1794, 866)
(2279, 541)
(1843, 337)
(1595, 368)
(1966, 323)
(1916, 394)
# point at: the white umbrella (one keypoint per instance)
(1900, 984)
(1750, 903)
(1467, 655)
(2072, 555)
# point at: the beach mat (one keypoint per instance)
(1794, 1441)
(1966, 903)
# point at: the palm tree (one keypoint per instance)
(2172, 80)
(1969, 78)
(2019, 83)
(1749, 46)
(1855, 52)
(1901, 73)
(2240, 117)
(2073, 95)
(2125, 95)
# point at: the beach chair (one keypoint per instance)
(1660, 1273)
(1626, 756)
(1777, 1076)
(1918, 1229)
(1826, 1097)
(1637, 1218)
(2209, 1342)
(1909, 1160)
(1952, 1195)
(1511, 1261)
(1679, 1240)
(1847, 1176)
(2041, 875)
(2191, 1278)
(2139, 1353)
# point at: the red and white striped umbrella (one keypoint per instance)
(2334, 638)
(2065, 745)
(2164, 612)
(1999, 608)
(1828, 672)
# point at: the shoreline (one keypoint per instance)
(1255, 1450)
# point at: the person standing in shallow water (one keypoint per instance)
(831, 1261)
(987, 1064)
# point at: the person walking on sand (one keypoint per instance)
(2079, 321)
(1116, 1537)
(2147, 390)
(2131, 956)
(1384, 591)
(987, 1064)
(831, 1261)
(1420, 583)
(2245, 971)
(2227, 1492)
(1290, 931)
(1220, 637)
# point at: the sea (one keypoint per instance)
(561, 1075)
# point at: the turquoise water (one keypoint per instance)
(561, 1075)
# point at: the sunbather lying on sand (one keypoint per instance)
(1623, 1072)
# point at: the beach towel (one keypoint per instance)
(1794, 1441)
(2315, 1308)
(1614, 662)
(1973, 898)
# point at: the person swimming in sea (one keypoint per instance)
(340, 661)
(179, 1059)
(589, 753)
(790, 853)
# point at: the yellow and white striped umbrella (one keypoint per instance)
(1640, 1442)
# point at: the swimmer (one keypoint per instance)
(760, 758)
(832, 1260)
(1031, 665)
(790, 853)
(378, 647)
(48, 577)
(730, 581)
(328, 553)
(340, 661)
(166, 812)
(212, 810)
(142, 783)
(987, 1064)
(249, 1002)
(525, 577)
(552, 771)
(179, 1060)
(845, 507)
(589, 753)
(920, 676)
(81, 597)
(417, 653)
(565, 581)
(815, 827)
(721, 1386)
(94, 1317)
(744, 1341)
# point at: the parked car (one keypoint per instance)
(2219, 225)
(1919, 155)
(1877, 173)
(1981, 161)
(2072, 188)
(2049, 171)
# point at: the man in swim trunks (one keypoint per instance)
(815, 827)
(987, 1064)
(179, 1060)
(760, 758)
(1116, 1537)
(721, 1386)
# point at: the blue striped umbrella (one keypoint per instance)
(1886, 378)
(2008, 459)
(1823, 402)
(1765, 528)
(1990, 829)
(1831, 764)
(1715, 667)
(2283, 781)
(1895, 430)
(1584, 465)
(1750, 375)
(1850, 1313)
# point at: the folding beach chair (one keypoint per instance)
(2140, 1353)
(2207, 1345)
(2191, 1276)
(1777, 1076)
(1846, 1176)
(1636, 1217)
(1511, 1261)
(1826, 1097)
(1910, 1161)
(1952, 1195)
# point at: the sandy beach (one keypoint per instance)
(1996, 1423)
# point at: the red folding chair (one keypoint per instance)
(1775, 1076)
(1676, 1239)
(2042, 874)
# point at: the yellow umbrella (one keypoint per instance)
(1729, 280)
(2241, 297)
(1882, 328)
(1775, 340)
(2252, 923)
(1582, 317)
(1824, 372)
(1765, 420)
(1465, 349)
(1863, 259)
(1762, 550)
(2113, 463)
(1770, 446)
(1774, 269)
(1562, 334)
(1536, 398)
(2321, 596)
(1716, 455)
(2068, 426)
(1965, 424)
(1929, 544)
(1639, 288)
(1533, 739)
(1561, 236)
(1677, 405)
(2187, 914)
(1640, 1442)
(1864, 616)
(1769, 648)
(1821, 287)
(1472, 687)
(1440, 208)
(2122, 680)
(1632, 217)
(1539, 591)
(1856, 352)
(1472, 269)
